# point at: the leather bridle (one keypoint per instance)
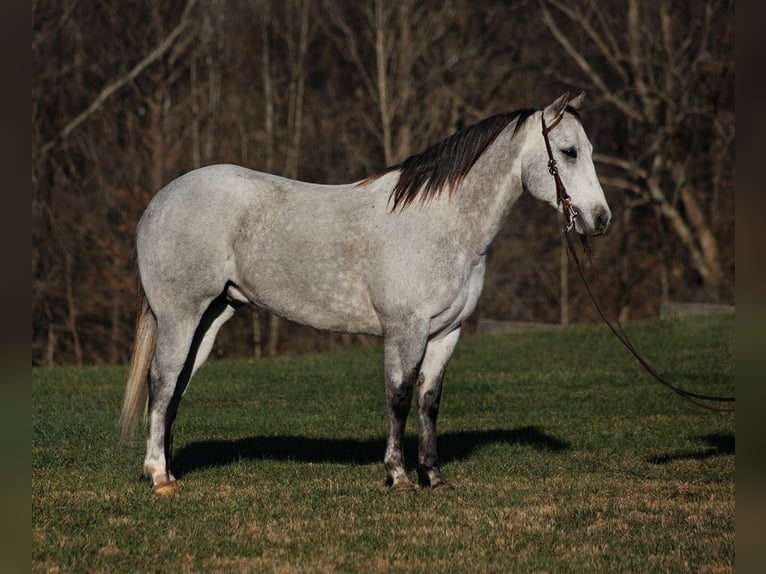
(562, 197)
(570, 213)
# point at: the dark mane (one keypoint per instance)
(445, 164)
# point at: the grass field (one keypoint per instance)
(566, 457)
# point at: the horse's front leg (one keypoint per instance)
(437, 355)
(403, 351)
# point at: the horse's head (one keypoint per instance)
(572, 153)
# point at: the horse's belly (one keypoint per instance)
(341, 306)
(344, 316)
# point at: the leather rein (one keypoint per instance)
(570, 214)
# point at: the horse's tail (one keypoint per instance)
(137, 387)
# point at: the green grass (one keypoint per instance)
(565, 455)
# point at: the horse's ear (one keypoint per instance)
(552, 112)
(577, 102)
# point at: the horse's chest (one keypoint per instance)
(464, 301)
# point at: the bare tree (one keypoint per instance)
(392, 53)
(118, 82)
(89, 179)
(664, 69)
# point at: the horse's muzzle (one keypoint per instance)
(596, 224)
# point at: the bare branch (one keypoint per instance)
(607, 29)
(115, 84)
(348, 45)
(619, 183)
(611, 53)
(594, 77)
(629, 166)
(637, 59)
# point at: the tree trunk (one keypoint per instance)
(72, 319)
(381, 61)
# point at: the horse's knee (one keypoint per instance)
(429, 401)
(399, 394)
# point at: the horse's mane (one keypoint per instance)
(445, 164)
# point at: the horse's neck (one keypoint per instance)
(489, 191)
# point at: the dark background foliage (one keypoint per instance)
(128, 95)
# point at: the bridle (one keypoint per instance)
(562, 197)
(570, 213)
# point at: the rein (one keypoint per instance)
(570, 213)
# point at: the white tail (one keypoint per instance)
(137, 388)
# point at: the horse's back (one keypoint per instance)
(208, 190)
(290, 246)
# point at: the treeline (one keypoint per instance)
(128, 95)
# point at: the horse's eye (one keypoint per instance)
(570, 152)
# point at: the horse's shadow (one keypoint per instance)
(454, 446)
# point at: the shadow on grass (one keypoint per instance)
(454, 446)
(718, 444)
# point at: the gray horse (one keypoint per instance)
(400, 255)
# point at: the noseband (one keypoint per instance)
(562, 197)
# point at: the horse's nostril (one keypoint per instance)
(602, 221)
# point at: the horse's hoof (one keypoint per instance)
(442, 486)
(167, 488)
(403, 487)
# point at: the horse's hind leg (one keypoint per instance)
(182, 346)
(167, 380)
(438, 353)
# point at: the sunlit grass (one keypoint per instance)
(565, 455)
